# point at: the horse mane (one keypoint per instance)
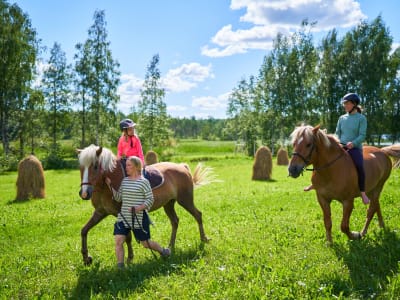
(107, 159)
(306, 131)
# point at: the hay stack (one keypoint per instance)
(282, 157)
(30, 181)
(151, 157)
(262, 167)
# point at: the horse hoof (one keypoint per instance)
(88, 261)
(355, 235)
(205, 239)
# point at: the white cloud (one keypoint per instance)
(129, 91)
(280, 16)
(210, 102)
(181, 79)
(186, 77)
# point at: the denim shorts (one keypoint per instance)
(141, 234)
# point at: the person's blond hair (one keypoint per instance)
(137, 162)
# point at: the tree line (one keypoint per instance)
(297, 82)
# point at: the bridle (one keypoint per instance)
(307, 160)
(95, 167)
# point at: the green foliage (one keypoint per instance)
(18, 52)
(268, 242)
(300, 83)
(152, 115)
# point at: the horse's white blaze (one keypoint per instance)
(299, 140)
(85, 179)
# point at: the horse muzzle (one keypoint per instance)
(86, 193)
(295, 170)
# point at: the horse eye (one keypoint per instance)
(308, 145)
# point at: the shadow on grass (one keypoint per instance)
(370, 261)
(114, 282)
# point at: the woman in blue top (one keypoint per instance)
(351, 130)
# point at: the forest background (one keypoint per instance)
(73, 104)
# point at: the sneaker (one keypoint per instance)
(120, 266)
(165, 252)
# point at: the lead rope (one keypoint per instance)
(134, 215)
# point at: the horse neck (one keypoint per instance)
(116, 175)
(327, 153)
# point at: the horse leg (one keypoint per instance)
(373, 207)
(326, 210)
(93, 221)
(169, 209)
(348, 206)
(128, 242)
(188, 204)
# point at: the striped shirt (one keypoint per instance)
(133, 193)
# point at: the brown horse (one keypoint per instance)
(97, 163)
(335, 176)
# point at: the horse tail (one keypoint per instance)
(203, 175)
(393, 151)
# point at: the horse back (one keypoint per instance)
(377, 164)
(178, 183)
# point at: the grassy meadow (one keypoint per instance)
(268, 242)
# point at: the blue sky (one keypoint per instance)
(205, 46)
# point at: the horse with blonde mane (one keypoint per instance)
(97, 163)
(335, 177)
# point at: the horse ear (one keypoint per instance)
(78, 150)
(316, 128)
(98, 152)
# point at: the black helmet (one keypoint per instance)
(353, 97)
(126, 123)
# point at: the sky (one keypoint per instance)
(205, 46)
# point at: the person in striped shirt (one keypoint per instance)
(137, 198)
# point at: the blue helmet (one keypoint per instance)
(126, 123)
(353, 97)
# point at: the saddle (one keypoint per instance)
(153, 175)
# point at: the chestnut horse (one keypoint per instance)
(96, 163)
(335, 176)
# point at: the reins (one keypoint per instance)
(307, 160)
(326, 165)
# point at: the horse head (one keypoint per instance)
(304, 144)
(94, 162)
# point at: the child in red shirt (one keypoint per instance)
(129, 143)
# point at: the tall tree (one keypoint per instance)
(241, 109)
(103, 76)
(18, 51)
(82, 87)
(57, 90)
(330, 90)
(34, 111)
(152, 109)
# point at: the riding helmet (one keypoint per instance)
(126, 123)
(353, 97)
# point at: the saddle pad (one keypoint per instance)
(154, 176)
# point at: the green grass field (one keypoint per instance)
(268, 242)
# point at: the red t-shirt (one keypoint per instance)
(130, 146)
